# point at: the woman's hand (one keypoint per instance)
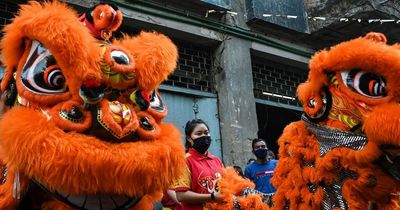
(217, 197)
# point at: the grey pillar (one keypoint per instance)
(234, 84)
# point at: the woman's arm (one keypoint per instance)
(191, 197)
(172, 195)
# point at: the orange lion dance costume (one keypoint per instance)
(86, 130)
(345, 152)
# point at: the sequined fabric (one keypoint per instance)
(329, 138)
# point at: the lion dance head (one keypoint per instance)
(86, 127)
(344, 154)
(345, 151)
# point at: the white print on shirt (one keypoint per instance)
(208, 182)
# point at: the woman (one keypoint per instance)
(197, 185)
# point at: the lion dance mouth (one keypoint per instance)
(87, 124)
(98, 201)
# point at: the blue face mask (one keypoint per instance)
(261, 153)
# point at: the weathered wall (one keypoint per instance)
(237, 111)
(347, 8)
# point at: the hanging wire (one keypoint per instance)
(313, 18)
(195, 108)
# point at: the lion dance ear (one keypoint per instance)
(377, 37)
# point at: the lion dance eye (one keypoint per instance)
(120, 57)
(365, 83)
(41, 74)
(54, 77)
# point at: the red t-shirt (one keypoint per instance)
(200, 176)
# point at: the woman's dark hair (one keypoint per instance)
(189, 127)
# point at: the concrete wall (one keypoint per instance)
(237, 111)
(349, 8)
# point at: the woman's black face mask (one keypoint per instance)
(201, 144)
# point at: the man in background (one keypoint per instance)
(261, 171)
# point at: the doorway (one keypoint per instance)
(271, 122)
